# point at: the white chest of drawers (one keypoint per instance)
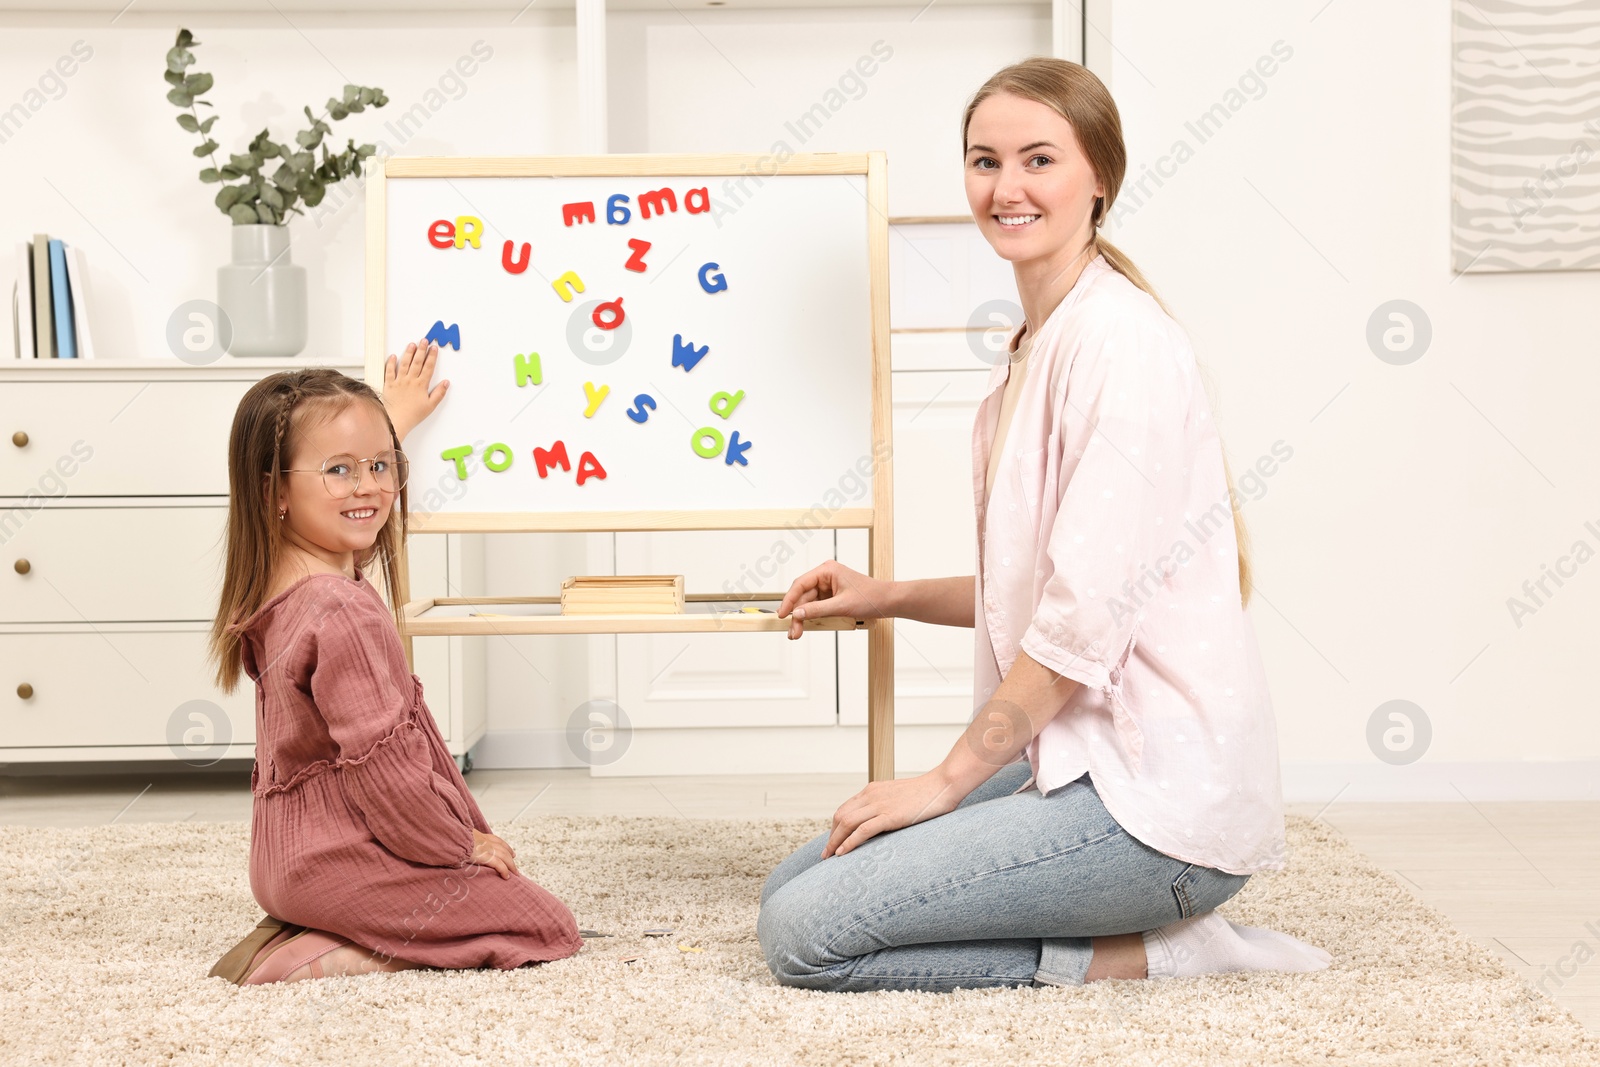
(113, 503)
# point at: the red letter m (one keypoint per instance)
(655, 200)
(546, 460)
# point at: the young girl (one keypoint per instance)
(1113, 650)
(367, 850)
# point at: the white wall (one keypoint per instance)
(1418, 501)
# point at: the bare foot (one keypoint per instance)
(350, 959)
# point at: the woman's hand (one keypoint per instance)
(834, 589)
(491, 851)
(889, 805)
(405, 386)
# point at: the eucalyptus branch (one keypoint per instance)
(246, 196)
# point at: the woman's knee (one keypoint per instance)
(795, 864)
(787, 930)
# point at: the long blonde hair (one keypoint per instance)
(1074, 93)
(257, 455)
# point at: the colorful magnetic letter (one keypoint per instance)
(723, 403)
(685, 355)
(703, 434)
(639, 413)
(458, 455)
(583, 212)
(736, 451)
(500, 464)
(528, 369)
(515, 266)
(546, 460)
(705, 201)
(468, 228)
(617, 213)
(636, 261)
(602, 314)
(589, 467)
(445, 335)
(717, 283)
(442, 234)
(655, 200)
(565, 284)
(595, 396)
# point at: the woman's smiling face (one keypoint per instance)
(1029, 185)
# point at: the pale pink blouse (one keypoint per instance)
(1106, 551)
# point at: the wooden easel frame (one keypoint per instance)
(876, 520)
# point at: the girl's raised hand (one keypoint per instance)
(831, 589)
(405, 386)
(490, 851)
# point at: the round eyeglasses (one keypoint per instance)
(341, 474)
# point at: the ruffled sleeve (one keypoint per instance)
(384, 761)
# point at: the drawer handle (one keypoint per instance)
(25, 691)
(22, 566)
(19, 439)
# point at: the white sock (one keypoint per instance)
(1210, 944)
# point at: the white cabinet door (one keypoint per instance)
(762, 679)
(934, 537)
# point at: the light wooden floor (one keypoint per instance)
(1518, 878)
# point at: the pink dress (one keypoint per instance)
(361, 823)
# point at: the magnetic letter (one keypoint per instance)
(468, 228)
(458, 456)
(705, 201)
(565, 284)
(618, 206)
(528, 369)
(655, 200)
(736, 451)
(636, 261)
(589, 467)
(583, 212)
(500, 464)
(639, 413)
(450, 335)
(723, 404)
(516, 266)
(546, 460)
(702, 435)
(717, 282)
(442, 234)
(610, 307)
(686, 355)
(595, 397)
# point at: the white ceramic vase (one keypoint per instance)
(263, 294)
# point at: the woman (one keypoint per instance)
(1112, 644)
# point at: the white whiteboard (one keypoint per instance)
(793, 330)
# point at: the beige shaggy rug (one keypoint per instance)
(108, 934)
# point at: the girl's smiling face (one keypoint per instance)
(332, 528)
(1029, 185)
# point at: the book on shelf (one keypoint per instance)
(623, 594)
(49, 301)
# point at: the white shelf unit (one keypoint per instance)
(113, 505)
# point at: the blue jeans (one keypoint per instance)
(1004, 890)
